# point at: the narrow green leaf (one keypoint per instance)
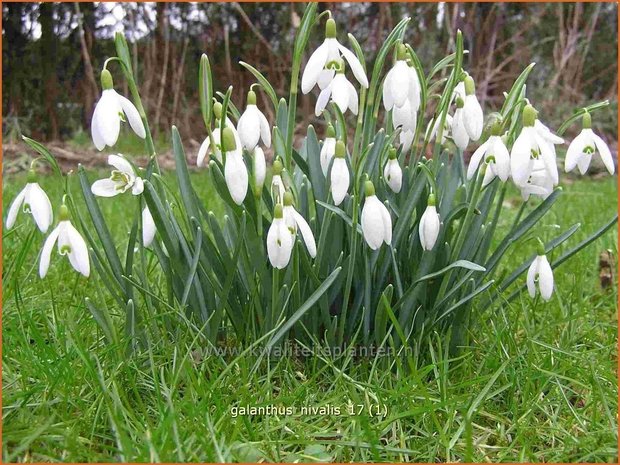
(457, 264)
(193, 267)
(101, 227)
(103, 320)
(265, 84)
(205, 89)
(44, 152)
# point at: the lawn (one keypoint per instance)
(538, 383)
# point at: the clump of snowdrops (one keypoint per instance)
(375, 233)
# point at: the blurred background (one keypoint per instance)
(52, 54)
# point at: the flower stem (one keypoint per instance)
(275, 295)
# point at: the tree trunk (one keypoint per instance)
(50, 79)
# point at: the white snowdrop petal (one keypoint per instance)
(583, 163)
(547, 154)
(107, 118)
(306, 233)
(386, 221)
(353, 103)
(414, 88)
(236, 175)
(40, 207)
(325, 78)
(473, 117)
(121, 164)
(429, 228)
(133, 117)
(531, 278)
(520, 161)
(327, 153)
(459, 133)
(545, 277)
(400, 83)
(265, 129)
(138, 187)
(98, 139)
(605, 153)
(474, 161)
(79, 251)
(372, 223)
(259, 167)
(339, 180)
(406, 139)
(502, 159)
(249, 127)
(489, 175)
(14, 208)
(105, 188)
(313, 68)
(148, 227)
(388, 100)
(323, 99)
(340, 92)
(46, 252)
(356, 66)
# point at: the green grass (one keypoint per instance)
(538, 382)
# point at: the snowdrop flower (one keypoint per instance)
(206, 146)
(401, 83)
(494, 154)
(473, 118)
(70, 243)
(539, 184)
(235, 171)
(109, 111)
(339, 176)
(459, 132)
(259, 170)
(34, 201)
(429, 225)
(583, 146)
(328, 149)
(148, 227)
(540, 273)
(376, 220)
(392, 173)
(279, 240)
(531, 146)
(318, 70)
(340, 91)
(277, 185)
(122, 179)
(295, 222)
(253, 125)
(405, 117)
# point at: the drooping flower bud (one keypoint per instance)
(429, 225)
(392, 173)
(339, 178)
(376, 221)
